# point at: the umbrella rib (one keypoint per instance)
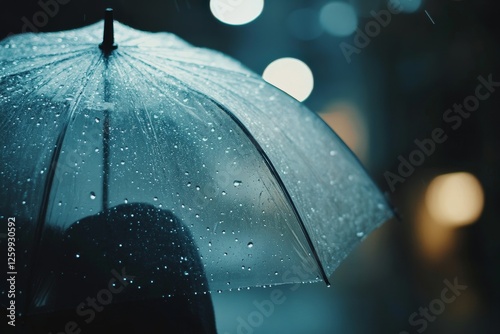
(42, 215)
(280, 183)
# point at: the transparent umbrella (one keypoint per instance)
(112, 145)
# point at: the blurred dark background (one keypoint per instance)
(394, 91)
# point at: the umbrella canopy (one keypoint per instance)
(257, 183)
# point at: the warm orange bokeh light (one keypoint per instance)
(455, 199)
(346, 121)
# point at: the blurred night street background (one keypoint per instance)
(386, 91)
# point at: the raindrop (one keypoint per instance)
(198, 188)
(97, 120)
(155, 199)
(204, 139)
(77, 255)
(243, 267)
(276, 273)
(189, 184)
(333, 153)
(186, 273)
(223, 193)
(225, 254)
(237, 183)
(60, 203)
(122, 162)
(125, 201)
(360, 234)
(92, 195)
(250, 244)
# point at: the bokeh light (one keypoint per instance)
(455, 199)
(407, 6)
(236, 12)
(304, 24)
(292, 76)
(345, 119)
(338, 18)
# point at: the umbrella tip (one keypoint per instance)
(108, 44)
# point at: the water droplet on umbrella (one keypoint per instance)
(92, 195)
(360, 234)
(189, 184)
(60, 203)
(97, 120)
(237, 183)
(155, 199)
(186, 273)
(125, 201)
(243, 267)
(250, 244)
(223, 193)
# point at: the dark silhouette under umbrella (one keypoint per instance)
(132, 268)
